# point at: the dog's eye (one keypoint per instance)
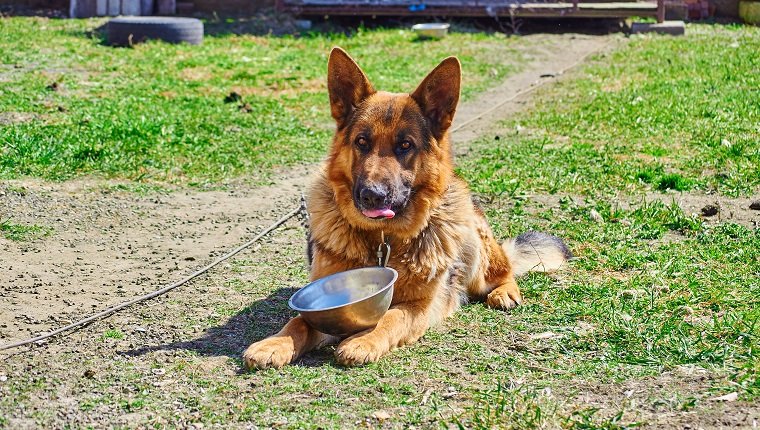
(404, 146)
(361, 142)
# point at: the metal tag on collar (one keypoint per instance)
(382, 260)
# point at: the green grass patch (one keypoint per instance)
(514, 407)
(23, 232)
(113, 334)
(138, 188)
(157, 112)
(675, 113)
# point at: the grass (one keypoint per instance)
(23, 232)
(113, 334)
(157, 112)
(661, 113)
(510, 407)
(658, 314)
(634, 312)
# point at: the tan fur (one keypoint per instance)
(533, 259)
(442, 245)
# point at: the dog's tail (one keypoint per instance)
(534, 251)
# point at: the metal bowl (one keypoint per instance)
(433, 30)
(346, 302)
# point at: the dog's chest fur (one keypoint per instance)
(447, 246)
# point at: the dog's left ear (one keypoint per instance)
(438, 95)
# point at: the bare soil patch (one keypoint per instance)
(109, 244)
(678, 398)
(8, 118)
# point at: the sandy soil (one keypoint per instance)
(110, 245)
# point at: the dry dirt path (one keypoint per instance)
(109, 245)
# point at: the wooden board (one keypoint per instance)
(439, 3)
(504, 9)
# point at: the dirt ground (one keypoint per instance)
(109, 245)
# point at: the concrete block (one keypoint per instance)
(675, 28)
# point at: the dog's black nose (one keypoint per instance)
(372, 197)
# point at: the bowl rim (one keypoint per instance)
(335, 275)
(431, 26)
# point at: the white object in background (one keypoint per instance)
(433, 30)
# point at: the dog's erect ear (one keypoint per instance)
(438, 95)
(346, 84)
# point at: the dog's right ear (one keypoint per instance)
(346, 84)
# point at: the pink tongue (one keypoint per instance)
(377, 213)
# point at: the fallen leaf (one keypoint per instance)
(544, 335)
(633, 293)
(583, 328)
(730, 397)
(426, 396)
(596, 216)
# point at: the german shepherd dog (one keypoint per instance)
(390, 173)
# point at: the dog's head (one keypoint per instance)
(390, 158)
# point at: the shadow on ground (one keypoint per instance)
(263, 318)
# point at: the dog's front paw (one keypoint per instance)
(504, 298)
(270, 352)
(355, 351)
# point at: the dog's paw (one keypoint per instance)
(356, 351)
(270, 352)
(504, 298)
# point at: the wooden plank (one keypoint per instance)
(595, 6)
(527, 10)
(660, 11)
(102, 7)
(359, 5)
(430, 3)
